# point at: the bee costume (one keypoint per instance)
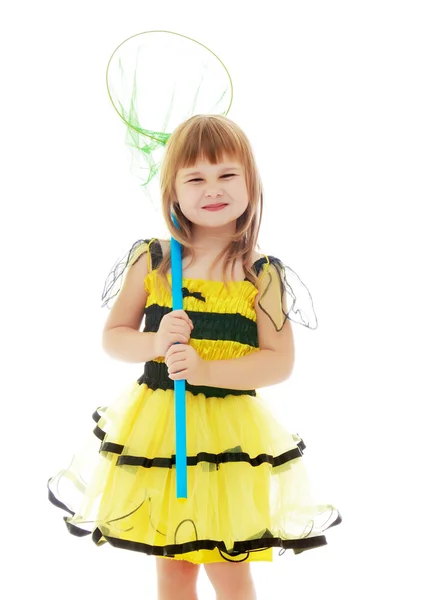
(248, 491)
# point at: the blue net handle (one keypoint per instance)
(180, 385)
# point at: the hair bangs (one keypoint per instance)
(207, 139)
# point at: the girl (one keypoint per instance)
(247, 488)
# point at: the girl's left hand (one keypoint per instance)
(184, 362)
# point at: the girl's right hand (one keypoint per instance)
(174, 327)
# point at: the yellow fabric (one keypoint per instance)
(240, 299)
(234, 502)
(231, 501)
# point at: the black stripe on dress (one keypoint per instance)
(240, 547)
(214, 460)
(232, 455)
(156, 377)
(232, 327)
(264, 542)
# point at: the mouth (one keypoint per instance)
(218, 206)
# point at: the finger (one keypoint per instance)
(181, 374)
(176, 363)
(175, 366)
(178, 347)
(175, 359)
(178, 376)
(186, 320)
(183, 315)
(180, 328)
(181, 336)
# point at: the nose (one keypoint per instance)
(212, 194)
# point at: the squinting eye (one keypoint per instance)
(200, 179)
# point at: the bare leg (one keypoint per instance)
(176, 579)
(231, 581)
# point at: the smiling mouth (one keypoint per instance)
(219, 205)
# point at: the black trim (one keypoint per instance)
(99, 433)
(56, 501)
(240, 547)
(111, 447)
(266, 541)
(235, 455)
(74, 530)
(216, 459)
(77, 531)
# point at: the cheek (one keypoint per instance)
(243, 192)
(187, 201)
(182, 196)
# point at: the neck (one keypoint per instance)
(211, 241)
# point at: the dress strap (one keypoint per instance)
(265, 267)
(148, 255)
(154, 254)
(261, 266)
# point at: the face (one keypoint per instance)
(204, 184)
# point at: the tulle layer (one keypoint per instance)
(248, 490)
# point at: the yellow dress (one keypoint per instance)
(247, 487)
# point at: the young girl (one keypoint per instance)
(247, 488)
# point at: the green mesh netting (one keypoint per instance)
(155, 81)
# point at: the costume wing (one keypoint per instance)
(114, 280)
(284, 295)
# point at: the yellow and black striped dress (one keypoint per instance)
(247, 488)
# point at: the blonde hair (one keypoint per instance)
(211, 137)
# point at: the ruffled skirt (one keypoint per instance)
(248, 490)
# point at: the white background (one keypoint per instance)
(342, 102)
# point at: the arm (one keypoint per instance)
(121, 337)
(128, 345)
(271, 364)
(256, 370)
